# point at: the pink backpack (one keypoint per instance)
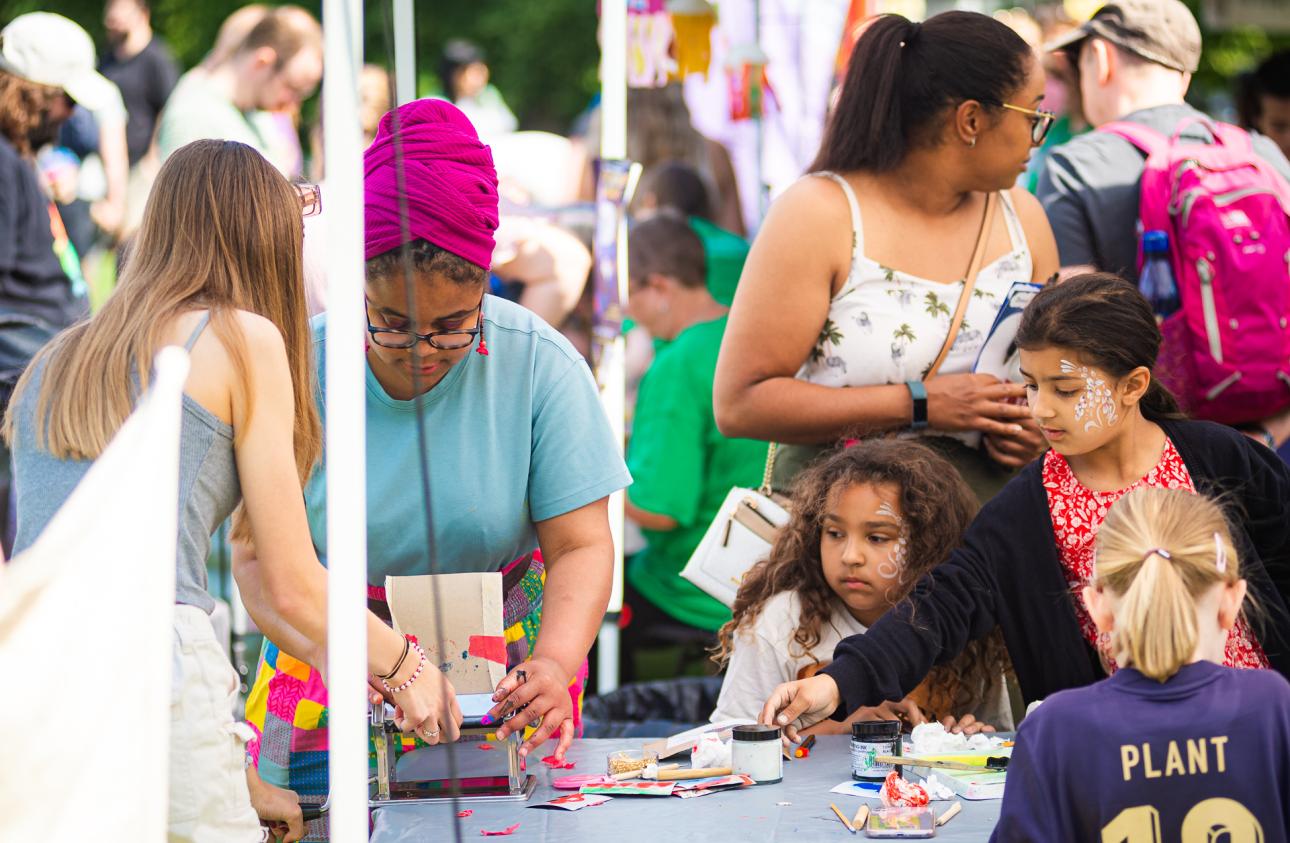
(1226, 352)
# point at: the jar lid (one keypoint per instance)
(756, 732)
(876, 730)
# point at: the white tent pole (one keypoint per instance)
(346, 425)
(405, 52)
(613, 374)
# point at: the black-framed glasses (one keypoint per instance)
(1040, 121)
(310, 198)
(453, 340)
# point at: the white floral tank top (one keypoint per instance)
(886, 326)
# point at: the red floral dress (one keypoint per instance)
(1078, 513)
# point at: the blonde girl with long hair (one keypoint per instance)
(219, 247)
(1173, 746)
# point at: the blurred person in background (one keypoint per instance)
(678, 186)
(541, 266)
(46, 64)
(1271, 100)
(142, 66)
(1061, 90)
(682, 466)
(463, 71)
(281, 126)
(373, 101)
(1134, 60)
(660, 130)
(232, 32)
(275, 68)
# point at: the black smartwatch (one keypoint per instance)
(918, 392)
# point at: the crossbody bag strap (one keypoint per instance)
(770, 469)
(969, 282)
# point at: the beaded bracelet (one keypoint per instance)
(398, 689)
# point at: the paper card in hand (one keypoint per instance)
(473, 651)
(998, 355)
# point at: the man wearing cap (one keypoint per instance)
(44, 59)
(48, 56)
(1135, 59)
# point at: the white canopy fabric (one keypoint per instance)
(86, 629)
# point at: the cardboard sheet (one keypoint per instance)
(473, 654)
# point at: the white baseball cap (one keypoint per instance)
(50, 49)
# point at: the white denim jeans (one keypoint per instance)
(209, 801)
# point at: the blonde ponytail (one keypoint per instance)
(1156, 622)
(1159, 550)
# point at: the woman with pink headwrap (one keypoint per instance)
(521, 457)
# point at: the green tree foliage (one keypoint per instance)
(542, 53)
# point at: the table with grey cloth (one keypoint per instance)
(746, 815)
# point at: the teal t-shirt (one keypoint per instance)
(683, 468)
(514, 438)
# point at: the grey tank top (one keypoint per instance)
(209, 490)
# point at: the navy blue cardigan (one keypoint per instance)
(1007, 574)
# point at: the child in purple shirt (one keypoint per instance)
(1173, 746)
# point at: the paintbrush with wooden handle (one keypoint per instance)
(659, 774)
(993, 764)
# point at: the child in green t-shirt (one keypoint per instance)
(682, 465)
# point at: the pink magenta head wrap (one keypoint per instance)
(449, 178)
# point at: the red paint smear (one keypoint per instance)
(465, 813)
(486, 746)
(556, 764)
(506, 832)
(488, 647)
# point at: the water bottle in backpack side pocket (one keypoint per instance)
(1157, 281)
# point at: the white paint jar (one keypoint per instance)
(756, 752)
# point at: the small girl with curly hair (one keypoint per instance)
(866, 525)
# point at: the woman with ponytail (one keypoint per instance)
(874, 281)
(1087, 349)
(1194, 749)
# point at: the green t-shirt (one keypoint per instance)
(725, 253)
(683, 468)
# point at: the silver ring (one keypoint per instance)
(429, 734)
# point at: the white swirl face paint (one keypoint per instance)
(896, 559)
(1096, 403)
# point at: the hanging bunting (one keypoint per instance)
(692, 21)
(748, 82)
(649, 39)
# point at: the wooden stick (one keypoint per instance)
(950, 814)
(693, 773)
(846, 822)
(861, 817)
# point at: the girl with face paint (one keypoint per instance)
(1087, 349)
(866, 525)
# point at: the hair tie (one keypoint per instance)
(911, 34)
(1220, 553)
(1157, 551)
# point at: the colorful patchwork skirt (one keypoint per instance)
(287, 706)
